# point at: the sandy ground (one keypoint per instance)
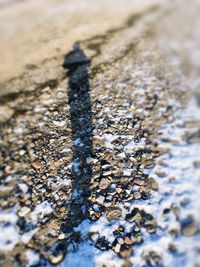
(34, 32)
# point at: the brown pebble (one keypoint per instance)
(139, 181)
(128, 241)
(104, 183)
(137, 195)
(125, 252)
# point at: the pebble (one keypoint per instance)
(104, 183)
(24, 211)
(102, 244)
(59, 123)
(61, 236)
(116, 248)
(114, 213)
(151, 226)
(153, 259)
(161, 173)
(138, 239)
(89, 160)
(100, 199)
(119, 190)
(125, 252)
(94, 236)
(128, 240)
(37, 164)
(152, 184)
(120, 240)
(56, 259)
(189, 227)
(5, 113)
(137, 195)
(139, 182)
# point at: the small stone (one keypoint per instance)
(53, 233)
(120, 240)
(104, 183)
(122, 155)
(56, 259)
(144, 190)
(59, 123)
(196, 164)
(189, 227)
(125, 252)
(152, 184)
(89, 160)
(107, 204)
(134, 216)
(128, 241)
(137, 239)
(37, 164)
(137, 195)
(172, 247)
(5, 113)
(119, 190)
(23, 187)
(116, 248)
(102, 244)
(151, 226)
(121, 229)
(94, 237)
(97, 214)
(22, 152)
(139, 182)
(113, 213)
(193, 137)
(61, 236)
(95, 184)
(153, 259)
(24, 211)
(136, 229)
(161, 173)
(100, 199)
(5, 191)
(127, 172)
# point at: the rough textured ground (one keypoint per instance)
(107, 175)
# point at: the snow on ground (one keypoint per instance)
(178, 188)
(176, 202)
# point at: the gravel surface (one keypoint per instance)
(100, 157)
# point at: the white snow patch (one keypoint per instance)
(32, 257)
(23, 187)
(40, 211)
(180, 187)
(59, 123)
(8, 230)
(131, 146)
